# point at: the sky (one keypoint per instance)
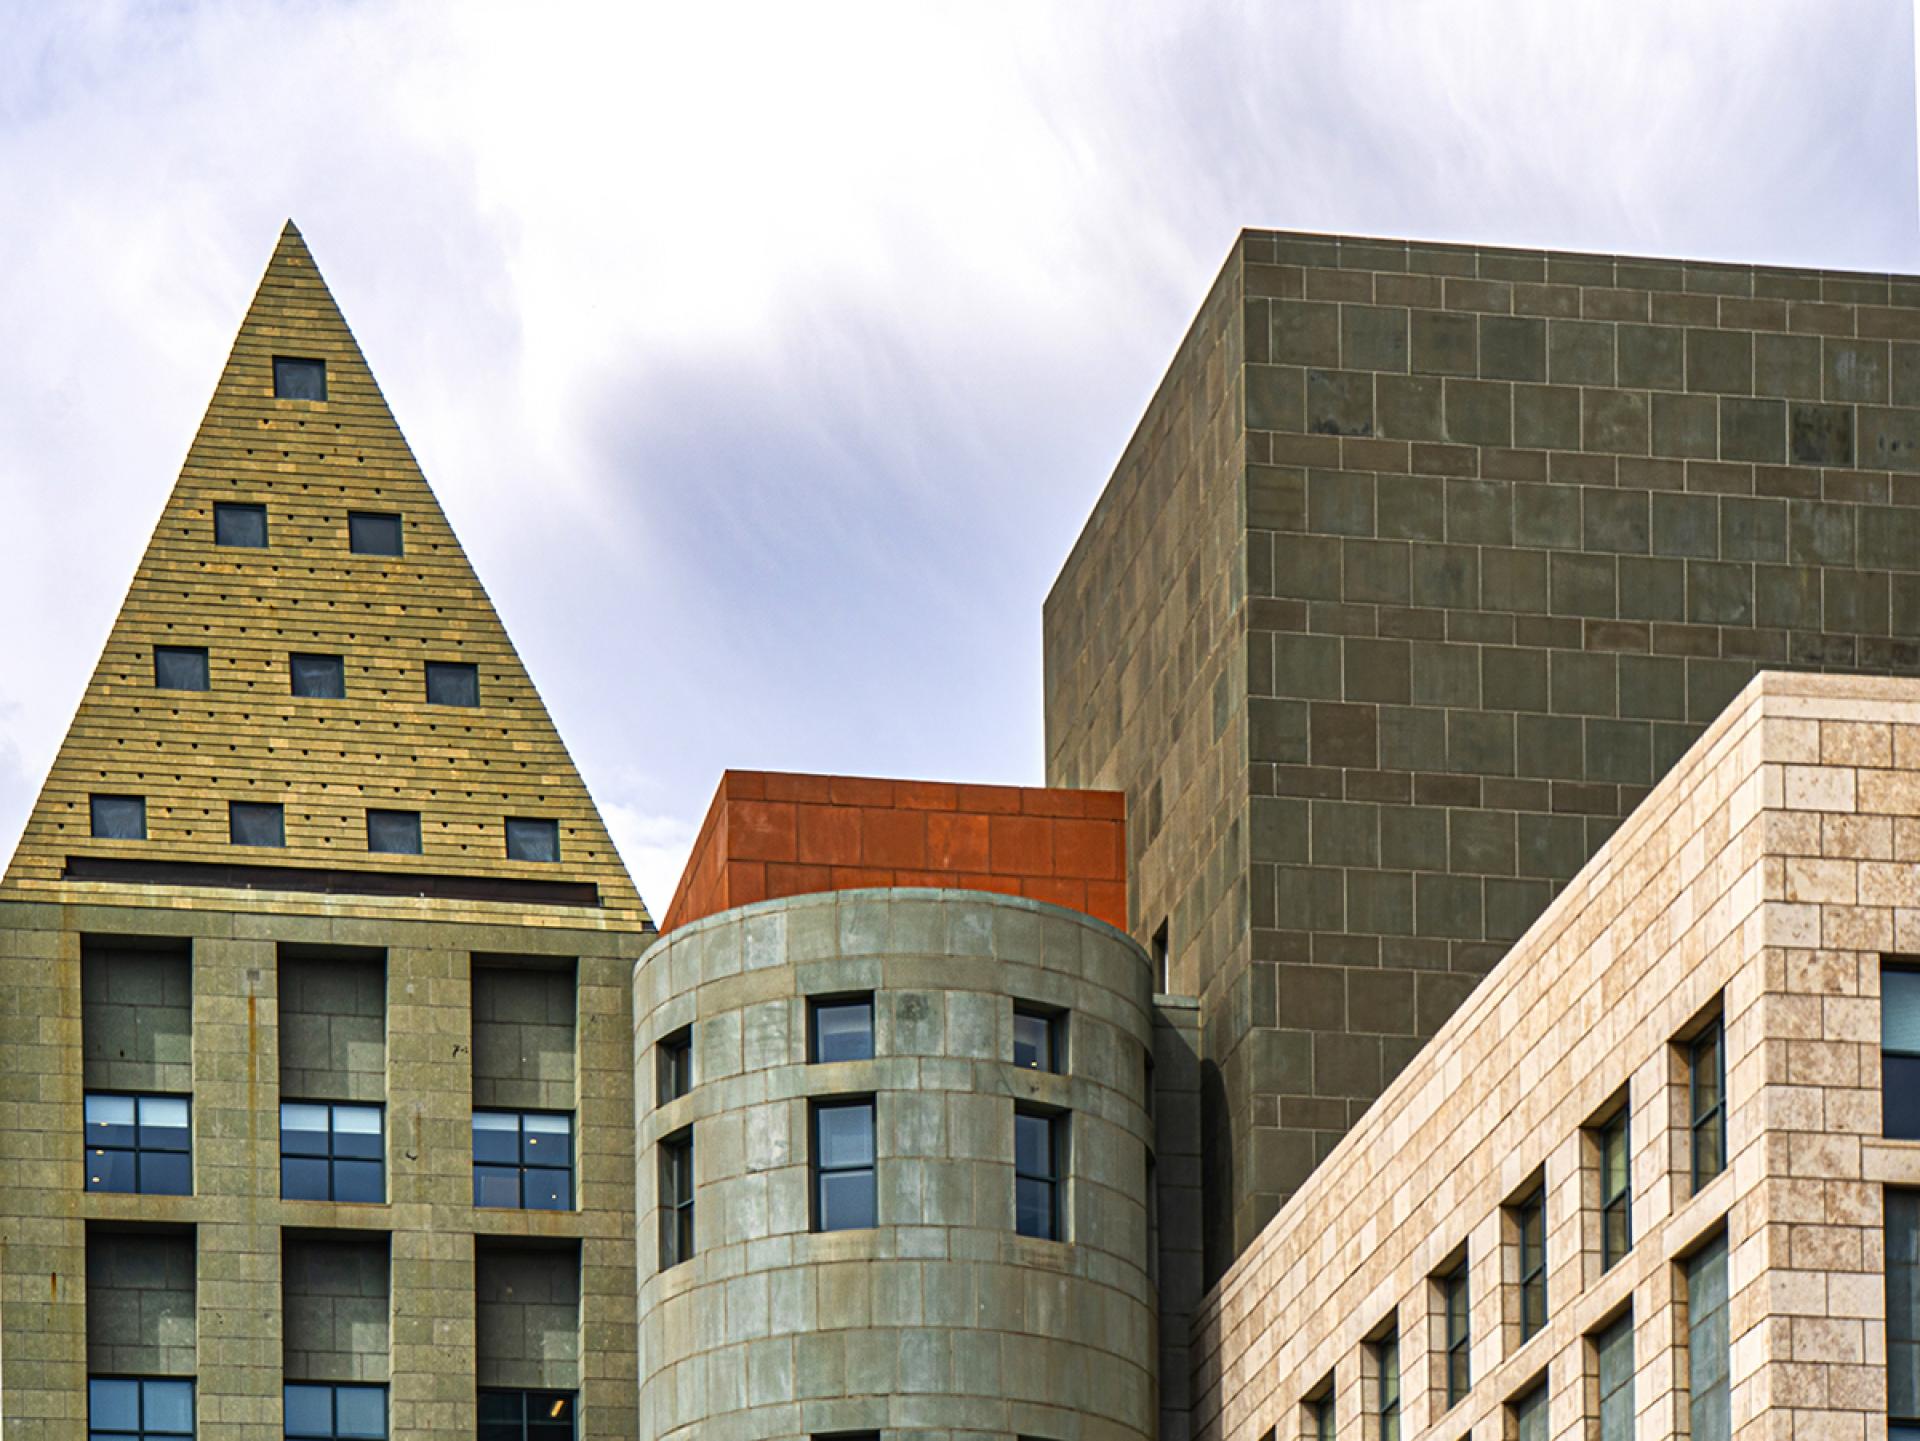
(768, 359)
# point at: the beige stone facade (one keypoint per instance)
(1764, 882)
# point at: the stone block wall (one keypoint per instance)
(523, 1036)
(527, 1326)
(136, 1017)
(140, 1302)
(336, 1300)
(940, 1322)
(1764, 880)
(333, 1025)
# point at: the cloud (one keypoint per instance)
(768, 358)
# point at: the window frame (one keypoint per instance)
(1601, 1339)
(141, 1429)
(138, 1149)
(1053, 1024)
(234, 808)
(300, 360)
(677, 1181)
(1692, 1265)
(1387, 1383)
(399, 533)
(338, 672)
(1613, 1153)
(839, 1000)
(1713, 1119)
(1902, 1253)
(673, 1066)
(1531, 1205)
(525, 1394)
(419, 839)
(199, 652)
(819, 1171)
(235, 509)
(94, 831)
(1055, 1178)
(1323, 1413)
(523, 1166)
(444, 669)
(1456, 1350)
(1908, 1067)
(330, 1157)
(1520, 1410)
(333, 1390)
(552, 825)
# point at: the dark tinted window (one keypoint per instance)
(526, 1415)
(180, 667)
(119, 818)
(1900, 1052)
(1709, 1344)
(676, 1199)
(1530, 1415)
(256, 823)
(336, 1413)
(1039, 1039)
(523, 1160)
(532, 840)
(139, 1143)
(1613, 1349)
(243, 525)
(1616, 1189)
(332, 1152)
(1707, 1103)
(676, 1065)
(298, 379)
(1530, 1228)
(394, 832)
(373, 534)
(1453, 1297)
(1387, 1394)
(1039, 1155)
(319, 677)
(452, 682)
(1903, 1309)
(843, 1193)
(841, 1029)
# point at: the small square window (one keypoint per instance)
(523, 1160)
(394, 832)
(532, 840)
(840, 1028)
(1039, 1039)
(676, 1065)
(256, 823)
(319, 677)
(451, 682)
(299, 379)
(241, 525)
(119, 818)
(180, 667)
(373, 534)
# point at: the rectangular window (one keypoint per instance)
(840, 1028)
(318, 677)
(1613, 1143)
(295, 378)
(675, 1072)
(139, 1143)
(523, 1160)
(843, 1190)
(1903, 1315)
(1457, 1333)
(180, 667)
(526, 1415)
(676, 1199)
(1707, 1102)
(1900, 1052)
(1325, 1418)
(1386, 1355)
(451, 682)
(1039, 1039)
(1709, 1413)
(256, 823)
(373, 534)
(335, 1413)
(1162, 961)
(1039, 1168)
(394, 833)
(118, 818)
(1529, 1216)
(126, 1408)
(240, 525)
(532, 840)
(332, 1152)
(1613, 1349)
(1530, 1415)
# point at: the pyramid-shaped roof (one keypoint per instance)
(314, 590)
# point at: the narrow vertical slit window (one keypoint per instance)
(1614, 1144)
(675, 1072)
(1707, 1102)
(1709, 1411)
(1530, 1239)
(1613, 1350)
(1458, 1334)
(843, 1164)
(1162, 979)
(1900, 1052)
(1323, 1416)
(1386, 1352)
(1903, 1315)
(1039, 1169)
(676, 1199)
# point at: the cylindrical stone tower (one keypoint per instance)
(893, 1151)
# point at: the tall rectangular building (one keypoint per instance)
(1424, 565)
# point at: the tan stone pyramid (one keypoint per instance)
(188, 754)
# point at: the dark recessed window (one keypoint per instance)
(1709, 1346)
(1900, 1053)
(119, 818)
(241, 525)
(1530, 1241)
(1039, 1171)
(256, 823)
(332, 1153)
(128, 1408)
(840, 1028)
(1039, 1039)
(1325, 1418)
(298, 379)
(1611, 1140)
(369, 534)
(1530, 1415)
(1903, 1313)
(676, 1066)
(523, 1160)
(318, 677)
(1386, 1356)
(843, 1193)
(526, 1415)
(335, 1413)
(532, 840)
(394, 832)
(1459, 1337)
(1613, 1350)
(1707, 1102)
(676, 1199)
(139, 1143)
(180, 667)
(452, 682)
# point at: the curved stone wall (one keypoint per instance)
(940, 1321)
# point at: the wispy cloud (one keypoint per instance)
(767, 358)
